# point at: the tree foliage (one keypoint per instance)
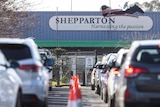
(59, 51)
(13, 21)
(153, 5)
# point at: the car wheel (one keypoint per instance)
(105, 95)
(111, 101)
(50, 88)
(92, 87)
(101, 93)
(98, 90)
(115, 102)
(19, 100)
(45, 104)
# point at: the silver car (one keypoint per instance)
(10, 84)
(114, 75)
(33, 74)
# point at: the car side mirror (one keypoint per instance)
(49, 62)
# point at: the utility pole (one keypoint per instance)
(57, 46)
(71, 5)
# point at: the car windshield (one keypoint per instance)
(15, 51)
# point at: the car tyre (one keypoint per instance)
(50, 88)
(92, 87)
(111, 101)
(101, 93)
(45, 104)
(115, 101)
(97, 90)
(105, 95)
(19, 100)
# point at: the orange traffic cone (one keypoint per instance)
(75, 96)
(72, 99)
(78, 92)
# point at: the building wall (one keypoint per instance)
(45, 36)
(100, 41)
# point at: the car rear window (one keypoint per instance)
(151, 56)
(15, 51)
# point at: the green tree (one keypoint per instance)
(154, 5)
(58, 52)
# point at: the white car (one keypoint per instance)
(33, 74)
(10, 84)
(48, 61)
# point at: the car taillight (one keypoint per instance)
(131, 71)
(30, 67)
(115, 71)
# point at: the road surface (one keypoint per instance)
(58, 97)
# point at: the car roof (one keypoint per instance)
(24, 41)
(106, 57)
(27, 41)
(146, 42)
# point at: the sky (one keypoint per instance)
(78, 5)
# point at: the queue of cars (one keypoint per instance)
(23, 78)
(133, 79)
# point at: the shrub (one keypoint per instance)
(64, 79)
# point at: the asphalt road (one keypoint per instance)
(58, 97)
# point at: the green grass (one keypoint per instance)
(54, 83)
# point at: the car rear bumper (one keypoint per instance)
(31, 99)
(143, 99)
(142, 104)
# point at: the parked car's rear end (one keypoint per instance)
(93, 72)
(99, 68)
(31, 71)
(114, 75)
(140, 76)
(109, 64)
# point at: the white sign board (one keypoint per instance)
(100, 23)
(89, 62)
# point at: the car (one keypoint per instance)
(93, 73)
(102, 74)
(48, 61)
(34, 75)
(114, 75)
(99, 68)
(104, 83)
(139, 76)
(10, 83)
